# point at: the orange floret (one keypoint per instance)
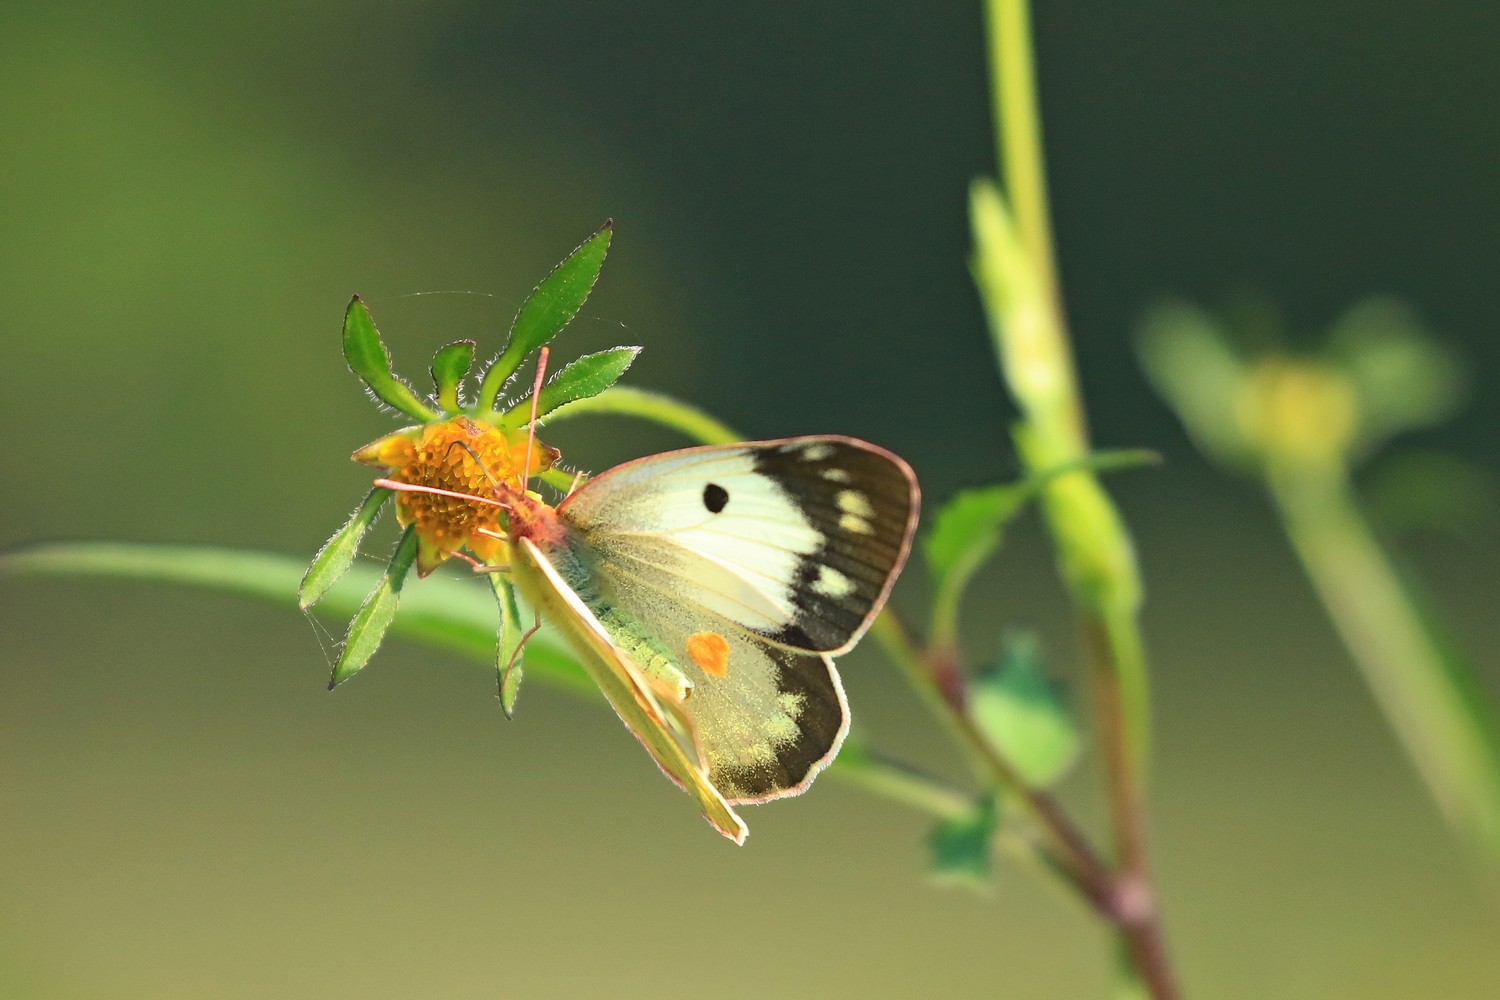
(447, 455)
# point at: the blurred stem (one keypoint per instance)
(653, 406)
(1066, 851)
(1448, 734)
(1015, 271)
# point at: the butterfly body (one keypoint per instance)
(706, 591)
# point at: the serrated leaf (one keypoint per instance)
(959, 849)
(585, 377)
(337, 554)
(368, 358)
(1023, 713)
(550, 307)
(375, 616)
(508, 664)
(449, 366)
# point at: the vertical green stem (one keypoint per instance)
(1015, 270)
(1447, 732)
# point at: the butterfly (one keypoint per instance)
(706, 591)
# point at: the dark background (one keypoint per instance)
(191, 193)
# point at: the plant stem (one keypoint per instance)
(1066, 850)
(1016, 273)
(1448, 732)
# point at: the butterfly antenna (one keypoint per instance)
(393, 484)
(536, 390)
(494, 483)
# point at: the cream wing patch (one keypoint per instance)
(797, 541)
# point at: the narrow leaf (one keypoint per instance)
(960, 849)
(588, 376)
(442, 612)
(1023, 713)
(369, 626)
(550, 307)
(367, 357)
(337, 554)
(508, 649)
(449, 366)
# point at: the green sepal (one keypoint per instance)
(337, 554)
(1023, 713)
(374, 617)
(960, 849)
(449, 366)
(508, 665)
(551, 306)
(585, 377)
(368, 358)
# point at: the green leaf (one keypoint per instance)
(586, 377)
(1022, 712)
(966, 531)
(967, 527)
(337, 554)
(441, 611)
(367, 357)
(550, 307)
(508, 666)
(449, 366)
(374, 617)
(959, 848)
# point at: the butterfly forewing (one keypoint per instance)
(796, 541)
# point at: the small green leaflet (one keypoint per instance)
(1022, 712)
(960, 848)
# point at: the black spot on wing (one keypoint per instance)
(861, 503)
(819, 723)
(715, 497)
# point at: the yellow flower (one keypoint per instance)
(458, 455)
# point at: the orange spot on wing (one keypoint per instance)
(710, 651)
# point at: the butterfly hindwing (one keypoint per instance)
(768, 718)
(797, 541)
(550, 581)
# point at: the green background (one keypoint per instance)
(191, 193)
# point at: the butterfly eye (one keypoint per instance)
(715, 497)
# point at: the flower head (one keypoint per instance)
(458, 455)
